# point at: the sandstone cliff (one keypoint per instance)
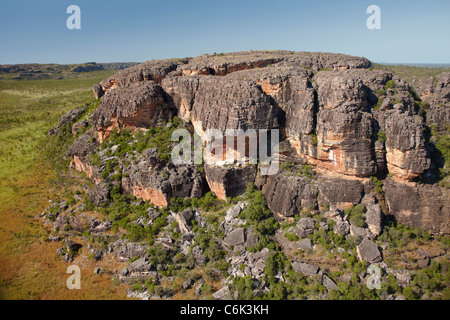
(348, 121)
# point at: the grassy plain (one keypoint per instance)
(29, 267)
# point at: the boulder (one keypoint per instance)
(98, 91)
(222, 294)
(419, 206)
(235, 237)
(304, 227)
(234, 212)
(329, 283)
(126, 251)
(341, 193)
(342, 228)
(183, 218)
(358, 232)
(251, 237)
(305, 244)
(229, 181)
(305, 268)
(374, 218)
(71, 245)
(136, 105)
(141, 265)
(287, 195)
(368, 251)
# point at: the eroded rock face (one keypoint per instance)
(327, 106)
(229, 181)
(368, 251)
(153, 180)
(155, 70)
(288, 195)
(79, 152)
(424, 206)
(406, 154)
(340, 192)
(435, 91)
(135, 105)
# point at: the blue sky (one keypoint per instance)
(139, 30)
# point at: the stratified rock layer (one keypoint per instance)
(350, 122)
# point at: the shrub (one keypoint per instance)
(379, 103)
(313, 137)
(381, 136)
(390, 84)
(356, 215)
(378, 185)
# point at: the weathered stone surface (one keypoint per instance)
(305, 244)
(198, 256)
(358, 232)
(126, 251)
(305, 268)
(288, 195)
(71, 245)
(227, 63)
(98, 91)
(424, 206)
(406, 154)
(229, 181)
(252, 108)
(342, 228)
(155, 70)
(251, 237)
(99, 194)
(157, 181)
(341, 192)
(124, 272)
(67, 119)
(254, 261)
(234, 212)
(304, 227)
(183, 218)
(327, 106)
(136, 105)
(222, 294)
(141, 266)
(368, 251)
(235, 237)
(374, 218)
(435, 91)
(329, 283)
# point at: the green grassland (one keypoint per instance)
(409, 73)
(28, 109)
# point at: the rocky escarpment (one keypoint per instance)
(347, 121)
(435, 93)
(355, 158)
(135, 105)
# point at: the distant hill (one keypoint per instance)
(56, 71)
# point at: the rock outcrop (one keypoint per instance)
(135, 105)
(149, 178)
(435, 95)
(424, 206)
(349, 122)
(288, 195)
